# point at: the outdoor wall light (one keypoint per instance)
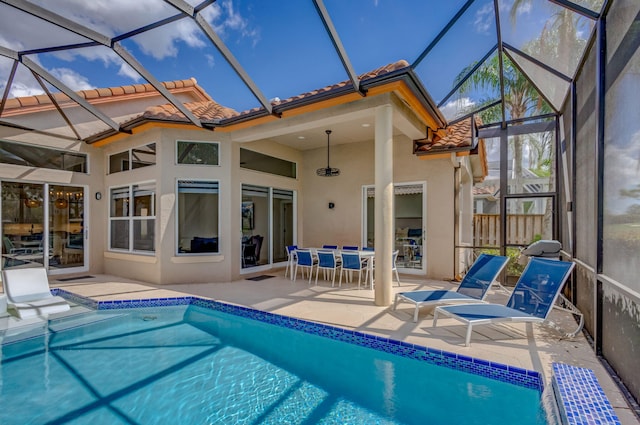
(98, 196)
(331, 205)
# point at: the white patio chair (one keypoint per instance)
(28, 293)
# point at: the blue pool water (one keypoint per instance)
(192, 365)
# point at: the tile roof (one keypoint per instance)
(401, 64)
(205, 111)
(458, 135)
(489, 190)
(25, 103)
(211, 110)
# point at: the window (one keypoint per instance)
(133, 228)
(197, 153)
(267, 164)
(139, 157)
(41, 157)
(198, 209)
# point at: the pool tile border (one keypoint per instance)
(497, 371)
(581, 400)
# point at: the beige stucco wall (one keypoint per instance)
(166, 266)
(342, 225)
(316, 223)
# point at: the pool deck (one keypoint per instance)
(525, 345)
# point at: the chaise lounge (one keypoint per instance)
(28, 293)
(473, 288)
(531, 300)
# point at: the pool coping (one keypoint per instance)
(580, 398)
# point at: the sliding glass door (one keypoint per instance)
(410, 224)
(267, 225)
(42, 225)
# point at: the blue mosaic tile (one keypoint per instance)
(76, 299)
(582, 400)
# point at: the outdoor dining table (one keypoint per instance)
(367, 254)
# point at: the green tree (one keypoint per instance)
(521, 99)
(560, 42)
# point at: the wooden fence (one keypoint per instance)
(521, 229)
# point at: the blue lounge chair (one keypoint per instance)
(473, 288)
(531, 300)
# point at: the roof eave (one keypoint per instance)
(405, 75)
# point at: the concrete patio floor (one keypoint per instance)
(527, 346)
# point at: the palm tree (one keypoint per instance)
(520, 99)
(558, 39)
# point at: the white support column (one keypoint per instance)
(384, 208)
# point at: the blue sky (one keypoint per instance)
(282, 45)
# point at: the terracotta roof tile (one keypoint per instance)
(43, 99)
(211, 110)
(490, 190)
(104, 92)
(140, 88)
(204, 110)
(366, 76)
(458, 136)
(90, 94)
(26, 101)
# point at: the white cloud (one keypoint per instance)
(506, 6)
(162, 42)
(622, 172)
(485, 19)
(456, 108)
(126, 71)
(72, 79)
(20, 89)
(113, 17)
(224, 19)
(211, 61)
(24, 84)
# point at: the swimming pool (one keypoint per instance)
(574, 396)
(190, 364)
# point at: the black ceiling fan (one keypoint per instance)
(328, 171)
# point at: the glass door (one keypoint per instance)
(255, 226)
(282, 212)
(66, 227)
(42, 225)
(23, 212)
(410, 224)
(267, 225)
